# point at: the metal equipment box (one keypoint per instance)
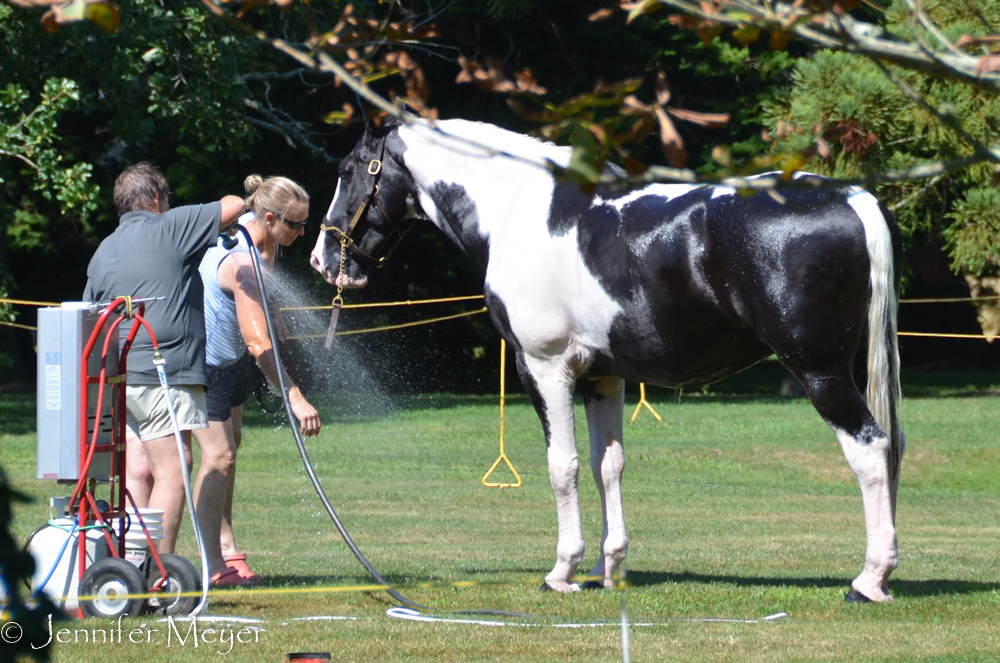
(63, 333)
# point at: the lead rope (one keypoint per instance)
(338, 301)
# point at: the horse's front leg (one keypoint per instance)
(550, 382)
(604, 402)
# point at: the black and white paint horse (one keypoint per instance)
(669, 284)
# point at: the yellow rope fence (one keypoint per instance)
(408, 302)
(349, 332)
(441, 300)
(339, 589)
(949, 300)
(402, 325)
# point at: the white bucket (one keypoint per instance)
(139, 537)
(152, 517)
(136, 545)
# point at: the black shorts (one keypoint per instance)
(230, 386)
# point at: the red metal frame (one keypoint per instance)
(83, 494)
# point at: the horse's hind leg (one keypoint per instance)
(604, 402)
(866, 447)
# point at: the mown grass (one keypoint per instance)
(737, 507)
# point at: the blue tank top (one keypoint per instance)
(225, 342)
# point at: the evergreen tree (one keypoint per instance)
(871, 126)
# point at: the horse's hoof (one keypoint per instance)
(546, 587)
(592, 584)
(854, 596)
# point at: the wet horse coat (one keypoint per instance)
(671, 284)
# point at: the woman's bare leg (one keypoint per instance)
(218, 458)
(226, 537)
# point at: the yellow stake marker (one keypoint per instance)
(643, 401)
(503, 452)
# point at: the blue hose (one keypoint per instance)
(58, 558)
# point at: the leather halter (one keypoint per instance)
(346, 239)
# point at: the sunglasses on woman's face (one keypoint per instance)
(295, 225)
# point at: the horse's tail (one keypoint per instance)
(883, 392)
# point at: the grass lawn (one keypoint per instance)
(737, 507)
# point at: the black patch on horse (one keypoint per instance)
(569, 205)
(460, 213)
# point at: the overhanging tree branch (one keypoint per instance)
(326, 63)
(286, 129)
(23, 158)
(836, 32)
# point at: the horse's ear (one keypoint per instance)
(380, 126)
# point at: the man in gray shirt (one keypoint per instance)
(155, 253)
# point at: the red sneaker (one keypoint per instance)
(229, 578)
(239, 562)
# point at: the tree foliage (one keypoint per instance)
(878, 118)
(32, 168)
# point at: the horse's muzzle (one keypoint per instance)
(345, 281)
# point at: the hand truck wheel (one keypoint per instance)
(177, 596)
(113, 588)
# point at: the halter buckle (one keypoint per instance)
(374, 167)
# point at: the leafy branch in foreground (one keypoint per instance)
(826, 24)
(62, 12)
(28, 136)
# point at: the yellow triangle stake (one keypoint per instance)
(644, 402)
(503, 452)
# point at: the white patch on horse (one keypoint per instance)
(666, 191)
(572, 309)
(316, 258)
(720, 191)
(868, 462)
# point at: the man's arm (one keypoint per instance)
(232, 208)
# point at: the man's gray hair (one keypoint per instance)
(138, 186)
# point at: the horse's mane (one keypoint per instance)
(506, 141)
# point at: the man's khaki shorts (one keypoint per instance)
(147, 415)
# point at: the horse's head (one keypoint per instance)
(373, 207)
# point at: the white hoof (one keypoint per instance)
(871, 594)
(560, 586)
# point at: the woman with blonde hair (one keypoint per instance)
(238, 343)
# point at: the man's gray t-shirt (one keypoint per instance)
(152, 255)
